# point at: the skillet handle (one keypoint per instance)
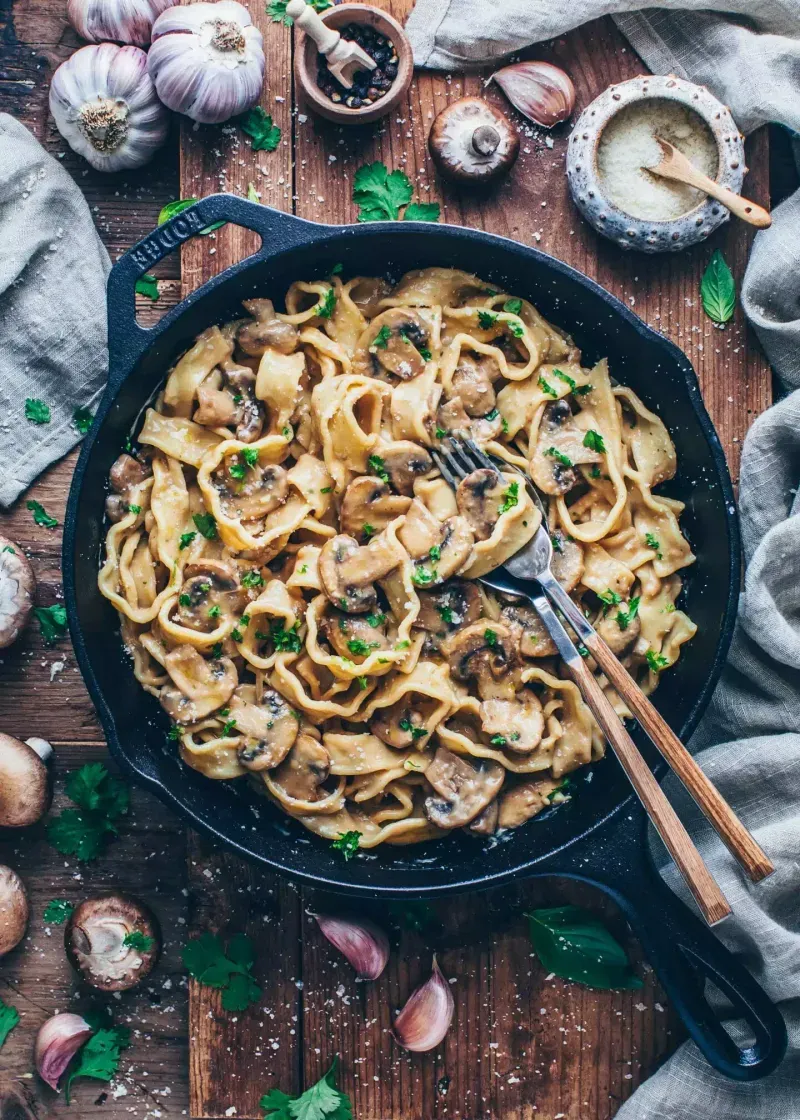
(126, 339)
(684, 952)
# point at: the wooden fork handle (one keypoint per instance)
(707, 894)
(730, 829)
(743, 208)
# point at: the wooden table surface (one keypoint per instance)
(523, 1044)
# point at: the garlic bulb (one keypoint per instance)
(106, 108)
(122, 21)
(541, 92)
(207, 60)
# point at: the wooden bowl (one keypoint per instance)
(305, 65)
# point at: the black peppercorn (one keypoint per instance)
(368, 85)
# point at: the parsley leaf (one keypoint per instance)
(322, 1101)
(257, 124)
(376, 465)
(441, 433)
(252, 193)
(486, 320)
(422, 576)
(83, 419)
(565, 378)
(177, 207)
(101, 801)
(206, 525)
(513, 306)
(625, 617)
(510, 497)
(9, 1017)
(367, 531)
(52, 622)
(37, 411)
(559, 456)
(283, 639)
(609, 599)
(498, 741)
(276, 10)
(653, 542)
(381, 339)
(594, 441)
(490, 638)
(40, 515)
(326, 306)
(379, 195)
(99, 1058)
(718, 290)
(185, 540)
(516, 329)
(136, 939)
(359, 648)
(57, 911)
(656, 661)
(206, 959)
(252, 579)
(147, 285)
(546, 387)
(446, 614)
(347, 843)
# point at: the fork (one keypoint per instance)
(530, 565)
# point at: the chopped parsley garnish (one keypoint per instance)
(101, 800)
(211, 964)
(175, 732)
(559, 456)
(326, 489)
(216, 649)
(594, 441)
(653, 542)
(381, 339)
(446, 614)
(563, 785)
(8, 548)
(582, 650)
(57, 911)
(100, 1057)
(424, 353)
(547, 388)
(287, 432)
(595, 471)
(557, 542)
(656, 661)
(136, 939)
(83, 419)
(422, 576)
(498, 740)
(435, 552)
(214, 612)
(52, 622)
(228, 727)
(250, 455)
(337, 268)
(326, 306)
(441, 433)
(582, 390)
(375, 620)
(516, 329)
(185, 540)
(510, 497)
(147, 285)
(362, 683)
(367, 531)
(347, 843)
(625, 617)
(490, 638)
(486, 320)
(504, 425)
(669, 608)
(565, 378)
(404, 644)
(609, 599)
(377, 467)
(513, 306)
(40, 515)
(37, 411)
(283, 639)
(252, 579)
(206, 525)
(495, 412)
(359, 648)
(185, 600)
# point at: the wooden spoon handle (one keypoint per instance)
(710, 899)
(307, 20)
(731, 830)
(743, 208)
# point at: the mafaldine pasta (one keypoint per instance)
(298, 586)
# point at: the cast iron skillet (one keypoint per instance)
(600, 835)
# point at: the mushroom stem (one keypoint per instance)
(486, 140)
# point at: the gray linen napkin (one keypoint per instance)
(749, 740)
(53, 270)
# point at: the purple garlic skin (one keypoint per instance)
(364, 944)
(542, 92)
(427, 1015)
(57, 1043)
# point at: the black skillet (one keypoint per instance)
(600, 836)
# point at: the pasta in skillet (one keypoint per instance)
(297, 584)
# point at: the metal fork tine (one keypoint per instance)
(483, 459)
(456, 466)
(458, 452)
(447, 474)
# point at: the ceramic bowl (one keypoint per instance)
(305, 65)
(645, 234)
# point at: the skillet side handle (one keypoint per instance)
(126, 339)
(685, 954)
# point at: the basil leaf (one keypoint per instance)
(575, 946)
(718, 289)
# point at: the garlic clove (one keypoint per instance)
(57, 1042)
(364, 944)
(426, 1017)
(105, 106)
(207, 60)
(121, 21)
(542, 92)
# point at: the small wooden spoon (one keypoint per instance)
(342, 57)
(676, 166)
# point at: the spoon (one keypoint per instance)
(674, 165)
(342, 57)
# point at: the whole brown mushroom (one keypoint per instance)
(472, 142)
(17, 585)
(13, 910)
(25, 790)
(113, 941)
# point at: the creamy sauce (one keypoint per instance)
(628, 145)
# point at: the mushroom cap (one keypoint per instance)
(24, 784)
(17, 585)
(270, 727)
(473, 142)
(94, 941)
(465, 788)
(13, 910)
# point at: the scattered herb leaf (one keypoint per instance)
(422, 212)
(322, 1101)
(9, 1017)
(718, 290)
(206, 959)
(276, 10)
(377, 466)
(594, 441)
(347, 843)
(257, 124)
(206, 525)
(40, 515)
(513, 306)
(547, 388)
(326, 306)
(83, 419)
(559, 456)
(147, 285)
(656, 661)
(575, 946)
(57, 911)
(101, 801)
(37, 411)
(136, 939)
(510, 497)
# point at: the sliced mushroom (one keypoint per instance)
(216, 407)
(472, 383)
(17, 586)
(392, 341)
(405, 462)
(267, 331)
(355, 638)
(484, 652)
(24, 784)
(127, 472)
(200, 686)
(262, 488)
(113, 941)
(567, 562)
(211, 592)
(420, 532)
(450, 607)
(531, 635)
(452, 416)
(270, 727)
(366, 292)
(472, 142)
(250, 417)
(559, 450)
(14, 910)
(347, 571)
(619, 639)
(465, 788)
(400, 725)
(455, 549)
(524, 801)
(485, 824)
(480, 498)
(304, 770)
(369, 503)
(518, 722)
